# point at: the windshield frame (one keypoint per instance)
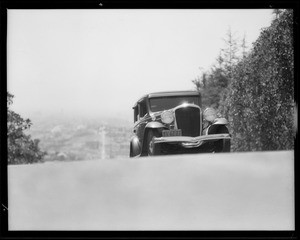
(183, 99)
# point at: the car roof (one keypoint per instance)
(168, 94)
(173, 93)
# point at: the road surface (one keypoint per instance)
(232, 191)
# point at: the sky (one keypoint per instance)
(99, 62)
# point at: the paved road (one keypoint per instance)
(238, 191)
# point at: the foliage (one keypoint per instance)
(209, 88)
(21, 148)
(260, 98)
(255, 90)
(212, 84)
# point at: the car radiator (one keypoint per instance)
(188, 119)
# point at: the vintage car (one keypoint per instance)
(174, 122)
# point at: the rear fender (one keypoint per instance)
(135, 146)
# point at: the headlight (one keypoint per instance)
(210, 114)
(167, 117)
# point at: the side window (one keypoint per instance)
(135, 113)
(142, 109)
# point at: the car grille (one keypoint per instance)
(188, 120)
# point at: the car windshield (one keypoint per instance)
(165, 103)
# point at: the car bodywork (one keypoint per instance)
(174, 122)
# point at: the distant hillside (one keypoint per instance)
(67, 138)
(58, 117)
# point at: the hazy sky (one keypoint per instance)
(97, 61)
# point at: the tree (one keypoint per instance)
(277, 12)
(208, 88)
(213, 84)
(230, 56)
(21, 148)
(244, 46)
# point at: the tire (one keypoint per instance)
(224, 144)
(152, 149)
(227, 145)
(131, 152)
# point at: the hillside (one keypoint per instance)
(76, 138)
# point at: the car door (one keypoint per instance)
(142, 119)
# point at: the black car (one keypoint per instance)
(174, 122)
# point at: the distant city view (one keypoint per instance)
(80, 138)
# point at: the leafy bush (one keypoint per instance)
(260, 98)
(255, 90)
(21, 148)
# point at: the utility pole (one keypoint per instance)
(102, 132)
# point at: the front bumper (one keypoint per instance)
(191, 142)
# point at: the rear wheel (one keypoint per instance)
(152, 149)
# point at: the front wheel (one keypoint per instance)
(152, 149)
(220, 145)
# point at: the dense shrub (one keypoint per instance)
(260, 97)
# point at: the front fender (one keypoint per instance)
(218, 127)
(154, 125)
(220, 121)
